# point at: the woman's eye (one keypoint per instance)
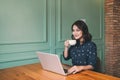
(77, 30)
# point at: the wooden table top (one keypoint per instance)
(35, 72)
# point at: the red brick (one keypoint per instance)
(112, 37)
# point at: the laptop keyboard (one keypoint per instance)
(65, 70)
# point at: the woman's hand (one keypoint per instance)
(66, 44)
(75, 69)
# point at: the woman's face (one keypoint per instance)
(77, 33)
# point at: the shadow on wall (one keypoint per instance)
(98, 65)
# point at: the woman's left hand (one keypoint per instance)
(75, 69)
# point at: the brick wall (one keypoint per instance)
(112, 37)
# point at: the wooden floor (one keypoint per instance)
(35, 72)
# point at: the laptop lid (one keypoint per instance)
(51, 62)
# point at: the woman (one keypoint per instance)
(83, 53)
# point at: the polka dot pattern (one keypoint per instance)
(84, 54)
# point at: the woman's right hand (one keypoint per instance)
(66, 43)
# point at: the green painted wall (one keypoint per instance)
(27, 26)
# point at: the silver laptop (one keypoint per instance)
(51, 62)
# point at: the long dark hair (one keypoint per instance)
(82, 26)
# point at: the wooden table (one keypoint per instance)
(35, 72)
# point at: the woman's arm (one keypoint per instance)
(65, 53)
(76, 69)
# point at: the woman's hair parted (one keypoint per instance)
(82, 26)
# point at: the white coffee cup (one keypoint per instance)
(72, 42)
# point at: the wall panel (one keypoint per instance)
(23, 31)
(22, 21)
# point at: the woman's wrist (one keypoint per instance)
(81, 68)
(87, 67)
(66, 47)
